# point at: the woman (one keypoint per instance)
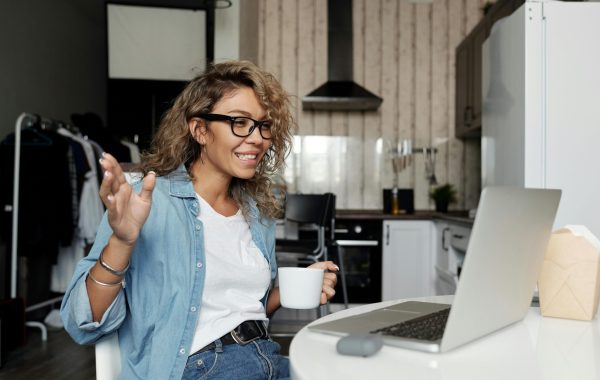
(184, 260)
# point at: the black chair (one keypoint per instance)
(309, 224)
(310, 227)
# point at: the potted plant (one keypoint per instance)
(443, 196)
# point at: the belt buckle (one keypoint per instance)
(242, 342)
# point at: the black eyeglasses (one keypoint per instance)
(241, 126)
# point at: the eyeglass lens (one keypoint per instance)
(243, 126)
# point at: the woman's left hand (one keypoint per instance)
(329, 279)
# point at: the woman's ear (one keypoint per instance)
(197, 129)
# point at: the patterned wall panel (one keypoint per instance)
(404, 52)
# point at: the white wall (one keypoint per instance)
(227, 32)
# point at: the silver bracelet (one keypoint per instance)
(112, 270)
(107, 284)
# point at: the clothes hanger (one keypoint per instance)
(31, 135)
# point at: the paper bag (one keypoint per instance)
(569, 283)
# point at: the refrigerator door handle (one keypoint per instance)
(444, 246)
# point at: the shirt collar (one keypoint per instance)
(180, 183)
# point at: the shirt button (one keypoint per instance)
(182, 351)
(199, 265)
(193, 308)
(198, 227)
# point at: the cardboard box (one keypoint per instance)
(569, 283)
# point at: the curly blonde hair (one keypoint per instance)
(173, 143)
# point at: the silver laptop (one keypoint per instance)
(502, 263)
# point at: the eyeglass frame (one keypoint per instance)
(231, 120)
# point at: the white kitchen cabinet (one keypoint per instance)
(451, 241)
(408, 250)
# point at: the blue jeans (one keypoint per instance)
(257, 360)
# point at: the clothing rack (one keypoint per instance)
(27, 120)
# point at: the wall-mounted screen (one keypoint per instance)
(155, 43)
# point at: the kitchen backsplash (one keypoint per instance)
(335, 164)
(355, 169)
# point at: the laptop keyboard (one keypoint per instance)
(429, 327)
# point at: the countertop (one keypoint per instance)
(458, 216)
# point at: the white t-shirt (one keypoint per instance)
(237, 276)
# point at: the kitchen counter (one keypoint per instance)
(457, 216)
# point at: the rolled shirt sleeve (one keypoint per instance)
(75, 309)
(77, 314)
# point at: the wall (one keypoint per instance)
(54, 64)
(248, 36)
(403, 51)
(53, 59)
(227, 35)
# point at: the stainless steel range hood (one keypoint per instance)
(340, 93)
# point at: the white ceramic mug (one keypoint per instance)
(300, 288)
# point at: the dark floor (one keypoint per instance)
(60, 358)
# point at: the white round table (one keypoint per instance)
(535, 348)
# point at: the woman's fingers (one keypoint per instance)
(148, 186)
(106, 193)
(329, 282)
(329, 291)
(108, 166)
(323, 298)
(127, 211)
(111, 165)
(326, 265)
(114, 189)
(329, 279)
(327, 294)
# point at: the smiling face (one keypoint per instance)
(223, 153)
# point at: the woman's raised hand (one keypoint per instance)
(127, 211)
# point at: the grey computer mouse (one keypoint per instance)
(359, 344)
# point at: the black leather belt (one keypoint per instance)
(244, 333)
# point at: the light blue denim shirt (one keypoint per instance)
(156, 313)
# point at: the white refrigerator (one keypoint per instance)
(541, 105)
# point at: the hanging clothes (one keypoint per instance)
(45, 204)
(89, 213)
(134, 151)
(92, 126)
(59, 207)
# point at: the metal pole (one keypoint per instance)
(15, 206)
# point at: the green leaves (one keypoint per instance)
(445, 193)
